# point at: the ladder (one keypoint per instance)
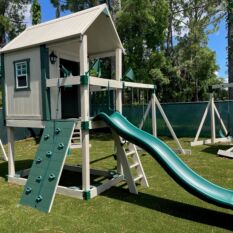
(76, 140)
(131, 164)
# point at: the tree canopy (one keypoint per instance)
(166, 41)
(36, 12)
(11, 19)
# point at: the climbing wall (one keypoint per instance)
(40, 189)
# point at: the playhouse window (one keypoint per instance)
(22, 75)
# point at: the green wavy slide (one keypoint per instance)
(174, 166)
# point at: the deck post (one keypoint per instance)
(11, 157)
(118, 55)
(118, 78)
(85, 116)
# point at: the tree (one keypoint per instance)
(75, 6)
(36, 12)
(58, 6)
(141, 25)
(191, 21)
(11, 19)
(230, 45)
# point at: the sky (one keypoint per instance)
(217, 41)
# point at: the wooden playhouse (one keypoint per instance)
(34, 93)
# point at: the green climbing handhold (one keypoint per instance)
(49, 153)
(52, 177)
(60, 146)
(39, 160)
(28, 190)
(58, 130)
(39, 198)
(38, 178)
(46, 137)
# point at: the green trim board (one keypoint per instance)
(45, 92)
(3, 87)
(27, 60)
(172, 164)
(40, 189)
(85, 125)
(84, 79)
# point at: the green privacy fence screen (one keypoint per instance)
(184, 117)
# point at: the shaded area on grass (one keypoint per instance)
(213, 149)
(19, 165)
(174, 208)
(68, 178)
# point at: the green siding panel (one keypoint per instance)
(45, 92)
(47, 167)
(3, 87)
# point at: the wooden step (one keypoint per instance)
(134, 165)
(130, 153)
(75, 146)
(76, 133)
(138, 178)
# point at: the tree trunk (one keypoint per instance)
(230, 47)
(169, 42)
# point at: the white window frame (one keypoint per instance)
(20, 73)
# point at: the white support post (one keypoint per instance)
(11, 159)
(85, 116)
(4, 156)
(145, 116)
(154, 120)
(220, 120)
(202, 122)
(168, 124)
(118, 78)
(118, 55)
(212, 117)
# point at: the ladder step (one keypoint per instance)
(75, 134)
(134, 165)
(75, 146)
(75, 138)
(130, 153)
(138, 178)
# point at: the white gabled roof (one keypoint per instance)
(59, 29)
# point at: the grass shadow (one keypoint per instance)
(213, 149)
(103, 158)
(19, 165)
(101, 135)
(68, 178)
(174, 208)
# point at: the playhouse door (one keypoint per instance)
(70, 95)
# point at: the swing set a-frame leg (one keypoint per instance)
(4, 156)
(154, 102)
(213, 111)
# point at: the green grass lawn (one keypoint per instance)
(163, 207)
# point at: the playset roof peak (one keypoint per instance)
(63, 28)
